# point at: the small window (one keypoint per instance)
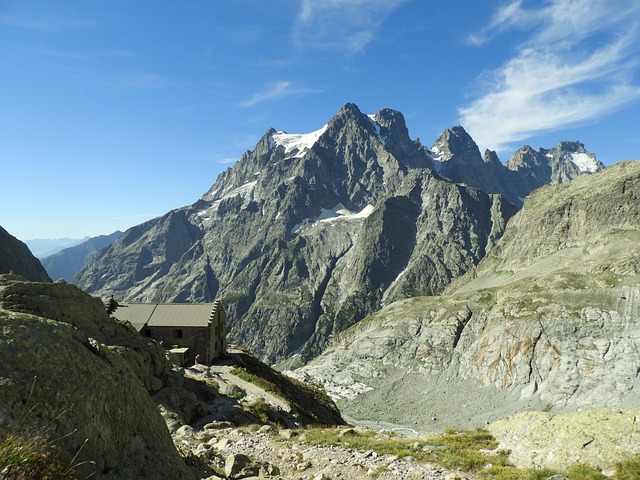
(176, 333)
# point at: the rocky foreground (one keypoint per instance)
(597, 439)
(270, 452)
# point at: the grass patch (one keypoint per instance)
(247, 376)
(31, 455)
(469, 451)
(580, 471)
(628, 469)
(261, 410)
(513, 473)
(451, 450)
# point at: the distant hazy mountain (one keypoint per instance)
(43, 247)
(15, 257)
(309, 233)
(66, 263)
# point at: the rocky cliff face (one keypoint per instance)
(307, 234)
(15, 257)
(546, 321)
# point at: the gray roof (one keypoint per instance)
(165, 314)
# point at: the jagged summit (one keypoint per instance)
(556, 165)
(457, 145)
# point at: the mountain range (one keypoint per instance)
(309, 233)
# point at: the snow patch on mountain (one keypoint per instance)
(386, 293)
(376, 125)
(339, 212)
(584, 162)
(243, 190)
(297, 143)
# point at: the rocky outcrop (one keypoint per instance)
(599, 438)
(85, 395)
(16, 258)
(107, 395)
(65, 303)
(546, 321)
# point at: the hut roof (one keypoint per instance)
(167, 314)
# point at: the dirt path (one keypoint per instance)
(223, 372)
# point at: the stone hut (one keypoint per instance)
(186, 329)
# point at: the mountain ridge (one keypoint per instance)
(68, 261)
(259, 239)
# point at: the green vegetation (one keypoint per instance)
(451, 450)
(469, 451)
(247, 376)
(311, 405)
(580, 471)
(628, 469)
(31, 455)
(261, 410)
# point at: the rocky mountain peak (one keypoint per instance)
(350, 118)
(491, 157)
(524, 157)
(300, 237)
(457, 145)
(556, 165)
(572, 147)
(393, 121)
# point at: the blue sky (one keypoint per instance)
(114, 112)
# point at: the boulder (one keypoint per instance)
(599, 438)
(241, 466)
(74, 389)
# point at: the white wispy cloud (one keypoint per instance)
(274, 91)
(576, 65)
(343, 25)
(222, 160)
